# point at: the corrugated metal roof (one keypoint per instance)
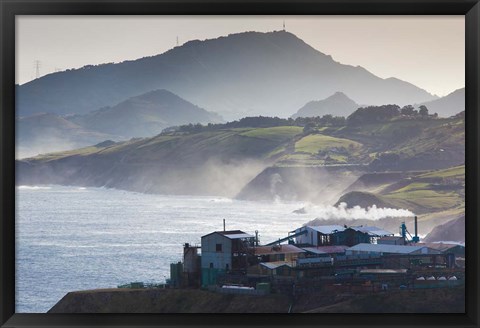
(373, 231)
(282, 249)
(274, 265)
(439, 246)
(232, 234)
(391, 238)
(383, 248)
(327, 229)
(383, 271)
(239, 236)
(326, 249)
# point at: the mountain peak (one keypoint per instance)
(156, 95)
(252, 42)
(447, 106)
(146, 115)
(338, 104)
(338, 95)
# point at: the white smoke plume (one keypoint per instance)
(342, 211)
(274, 180)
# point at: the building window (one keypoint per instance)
(218, 247)
(211, 265)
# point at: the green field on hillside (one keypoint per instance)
(58, 155)
(277, 134)
(314, 143)
(453, 172)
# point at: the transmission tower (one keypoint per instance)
(37, 65)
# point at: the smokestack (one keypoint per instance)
(223, 224)
(416, 227)
(415, 238)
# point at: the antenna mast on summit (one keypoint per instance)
(36, 63)
(283, 25)
(177, 41)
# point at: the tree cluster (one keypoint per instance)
(260, 122)
(372, 114)
(385, 113)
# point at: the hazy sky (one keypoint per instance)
(428, 51)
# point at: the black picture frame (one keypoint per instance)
(10, 8)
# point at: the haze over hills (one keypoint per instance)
(337, 104)
(449, 105)
(400, 162)
(205, 161)
(44, 133)
(145, 115)
(141, 116)
(242, 74)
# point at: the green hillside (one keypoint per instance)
(212, 162)
(437, 143)
(435, 191)
(224, 144)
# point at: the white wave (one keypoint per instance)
(221, 200)
(33, 187)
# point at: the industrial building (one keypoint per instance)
(224, 251)
(329, 235)
(317, 235)
(315, 257)
(382, 249)
(287, 253)
(324, 251)
(458, 250)
(273, 269)
(374, 233)
(191, 265)
(391, 240)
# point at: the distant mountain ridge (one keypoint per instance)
(450, 105)
(337, 104)
(243, 74)
(145, 115)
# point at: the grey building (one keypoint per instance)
(224, 251)
(329, 235)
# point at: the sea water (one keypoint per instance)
(70, 238)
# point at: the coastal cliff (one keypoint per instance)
(446, 300)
